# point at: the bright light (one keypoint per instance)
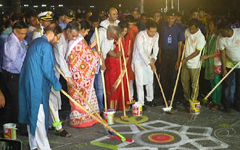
(44, 5)
(120, 5)
(35, 6)
(60, 5)
(91, 6)
(52, 6)
(25, 5)
(1, 5)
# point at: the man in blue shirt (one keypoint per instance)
(170, 52)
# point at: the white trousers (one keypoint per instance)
(39, 140)
(131, 89)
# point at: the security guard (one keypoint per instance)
(45, 19)
(170, 52)
(68, 16)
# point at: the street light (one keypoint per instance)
(44, 5)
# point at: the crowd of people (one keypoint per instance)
(108, 60)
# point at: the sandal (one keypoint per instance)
(151, 104)
(63, 133)
(215, 107)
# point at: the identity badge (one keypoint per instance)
(169, 39)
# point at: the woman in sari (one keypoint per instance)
(82, 63)
(212, 63)
(113, 72)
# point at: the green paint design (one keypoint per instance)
(105, 145)
(225, 125)
(133, 120)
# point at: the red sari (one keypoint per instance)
(112, 73)
(132, 33)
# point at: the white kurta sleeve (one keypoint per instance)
(59, 53)
(105, 44)
(155, 47)
(140, 48)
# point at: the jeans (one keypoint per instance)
(99, 90)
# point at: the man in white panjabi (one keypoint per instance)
(143, 62)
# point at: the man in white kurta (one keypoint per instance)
(144, 56)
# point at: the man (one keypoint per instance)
(136, 14)
(229, 47)
(157, 16)
(112, 18)
(94, 24)
(170, 52)
(45, 19)
(106, 40)
(195, 42)
(34, 24)
(143, 61)
(35, 83)
(60, 50)
(69, 15)
(58, 17)
(141, 24)
(13, 57)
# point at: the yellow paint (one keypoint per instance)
(133, 120)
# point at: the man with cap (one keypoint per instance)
(45, 19)
(67, 17)
(170, 52)
(112, 18)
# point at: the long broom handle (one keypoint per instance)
(123, 98)
(59, 70)
(179, 71)
(104, 124)
(125, 66)
(199, 70)
(221, 80)
(102, 73)
(159, 83)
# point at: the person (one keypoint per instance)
(157, 16)
(132, 33)
(170, 53)
(136, 14)
(35, 83)
(230, 56)
(194, 44)
(112, 18)
(60, 50)
(45, 19)
(83, 72)
(143, 61)
(94, 24)
(69, 15)
(2, 99)
(58, 17)
(34, 24)
(88, 14)
(113, 71)
(141, 24)
(212, 63)
(106, 40)
(13, 56)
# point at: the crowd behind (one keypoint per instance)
(131, 44)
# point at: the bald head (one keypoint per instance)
(113, 14)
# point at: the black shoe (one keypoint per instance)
(101, 114)
(144, 108)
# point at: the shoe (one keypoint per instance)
(215, 107)
(227, 110)
(62, 133)
(101, 114)
(144, 108)
(151, 104)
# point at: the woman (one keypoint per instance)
(212, 63)
(113, 72)
(82, 62)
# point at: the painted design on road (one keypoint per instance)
(133, 120)
(184, 137)
(161, 138)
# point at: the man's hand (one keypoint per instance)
(183, 62)
(204, 57)
(152, 65)
(119, 54)
(177, 65)
(103, 66)
(71, 82)
(224, 72)
(94, 43)
(2, 100)
(153, 60)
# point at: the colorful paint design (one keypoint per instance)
(161, 138)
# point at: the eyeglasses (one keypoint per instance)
(58, 36)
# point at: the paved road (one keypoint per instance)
(157, 130)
